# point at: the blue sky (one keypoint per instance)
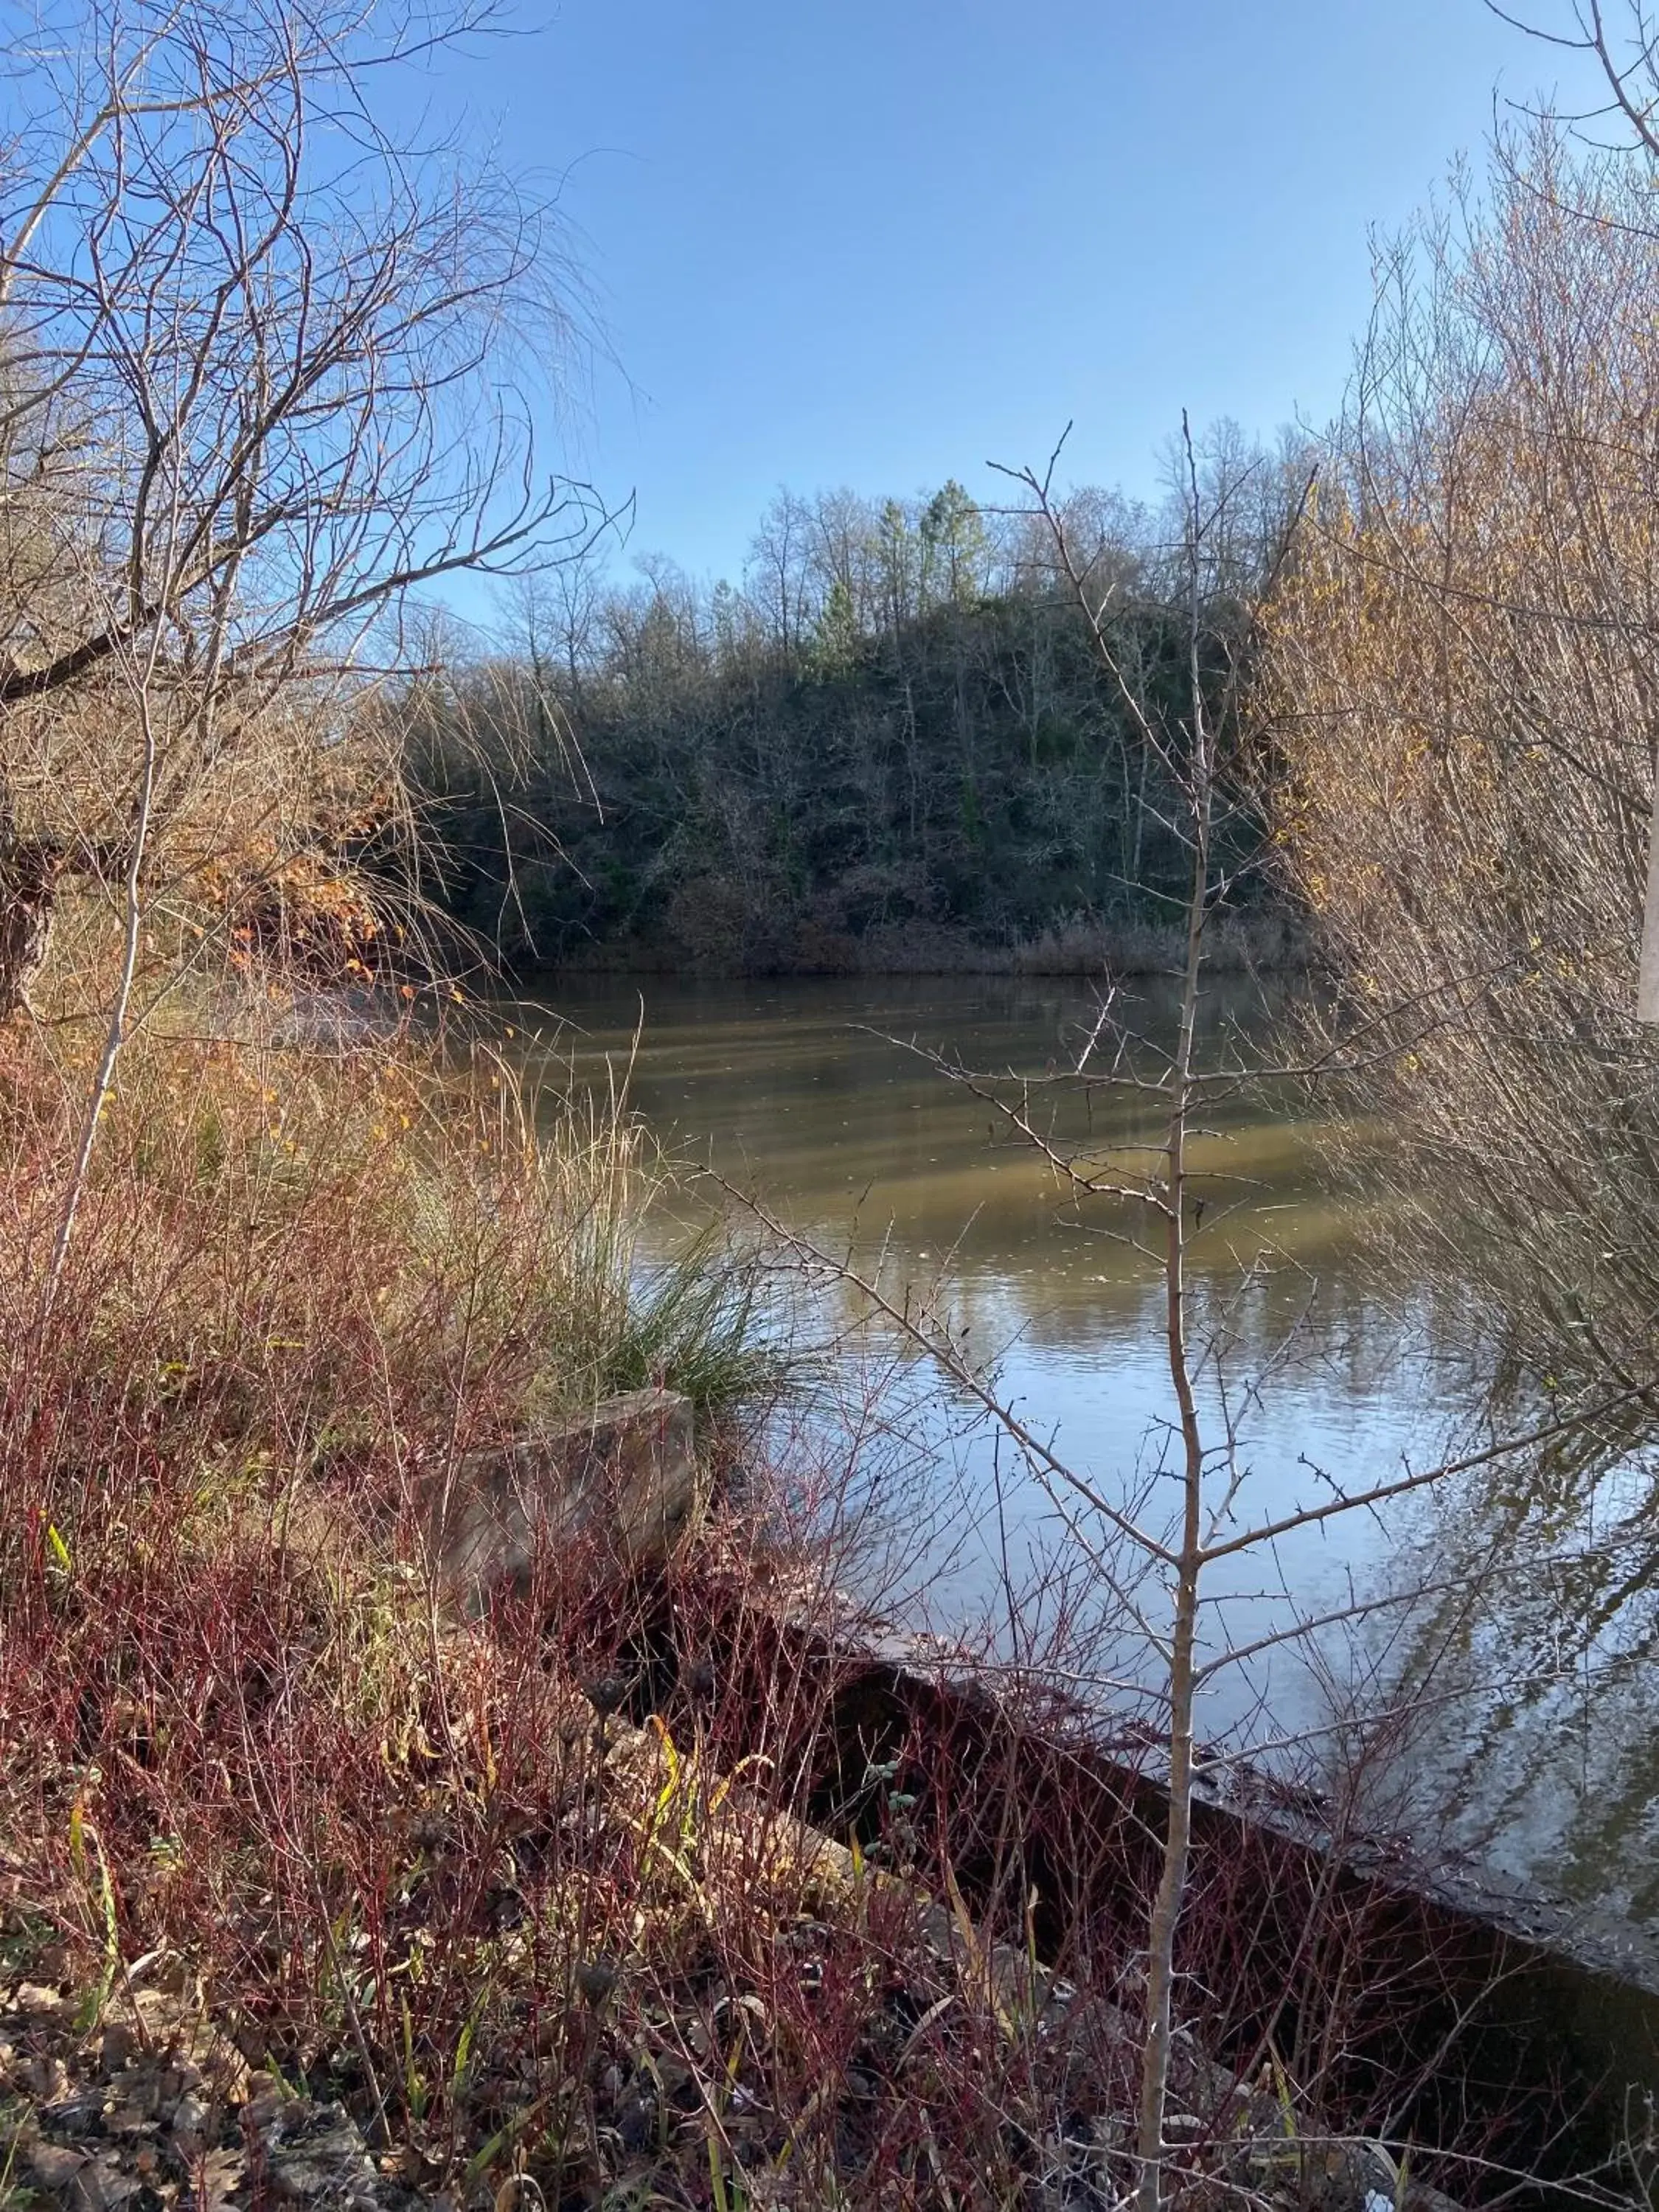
(881, 241)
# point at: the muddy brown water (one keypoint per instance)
(1491, 1694)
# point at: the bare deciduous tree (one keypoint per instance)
(1464, 682)
(269, 370)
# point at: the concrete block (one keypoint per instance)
(626, 1474)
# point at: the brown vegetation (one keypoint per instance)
(262, 1284)
(1462, 692)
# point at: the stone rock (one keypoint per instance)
(626, 1474)
(314, 2155)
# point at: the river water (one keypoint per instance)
(1481, 1675)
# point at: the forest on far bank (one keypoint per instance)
(891, 745)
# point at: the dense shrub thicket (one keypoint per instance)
(1464, 677)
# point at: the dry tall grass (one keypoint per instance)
(236, 1729)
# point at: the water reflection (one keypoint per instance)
(1527, 1681)
(1511, 1664)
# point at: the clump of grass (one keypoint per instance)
(529, 1942)
(697, 1321)
(301, 1260)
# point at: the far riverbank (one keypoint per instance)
(1266, 944)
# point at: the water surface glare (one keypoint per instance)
(1523, 1742)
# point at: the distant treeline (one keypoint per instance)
(892, 745)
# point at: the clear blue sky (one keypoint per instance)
(879, 241)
